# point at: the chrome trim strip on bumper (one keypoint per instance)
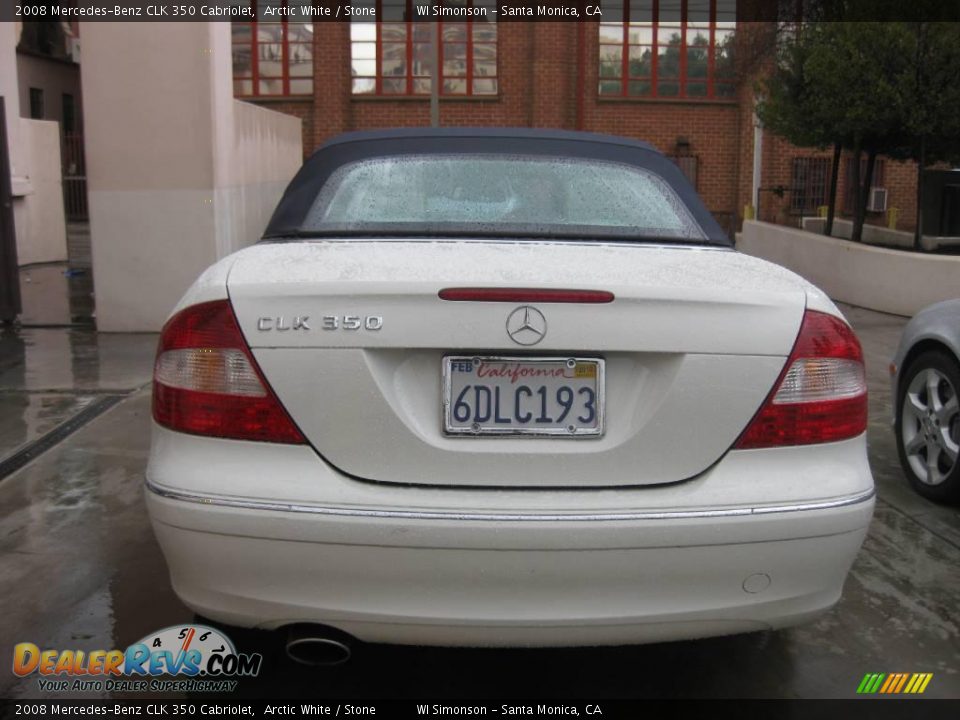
(505, 517)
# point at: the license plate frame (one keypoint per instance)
(453, 430)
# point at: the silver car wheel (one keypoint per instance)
(930, 426)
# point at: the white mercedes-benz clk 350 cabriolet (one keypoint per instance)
(505, 387)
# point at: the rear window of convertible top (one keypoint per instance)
(499, 195)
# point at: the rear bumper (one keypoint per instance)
(493, 579)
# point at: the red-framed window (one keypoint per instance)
(393, 56)
(668, 49)
(272, 58)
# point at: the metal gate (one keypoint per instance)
(74, 177)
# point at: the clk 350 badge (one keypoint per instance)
(281, 323)
(352, 322)
(329, 322)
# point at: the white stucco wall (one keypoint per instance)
(254, 163)
(179, 173)
(10, 91)
(256, 153)
(893, 281)
(41, 223)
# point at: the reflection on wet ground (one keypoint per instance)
(49, 375)
(56, 294)
(24, 417)
(74, 360)
(81, 569)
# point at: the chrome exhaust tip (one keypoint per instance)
(318, 645)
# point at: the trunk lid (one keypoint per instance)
(692, 344)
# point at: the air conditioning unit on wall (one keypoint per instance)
(878, 200)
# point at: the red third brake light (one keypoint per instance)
(525, 295)
(206, 382)
(821, 394)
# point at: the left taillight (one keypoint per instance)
(206, 381)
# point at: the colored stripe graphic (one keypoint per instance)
(914, 681)
(870, 683)
(891, 682)
(903, 680)
(894, 683)
(918, 683)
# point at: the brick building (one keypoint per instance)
(663, 71)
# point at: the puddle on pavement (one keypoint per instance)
(56, 294)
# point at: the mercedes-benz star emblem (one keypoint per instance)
(526, 325)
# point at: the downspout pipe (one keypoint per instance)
(757, 161)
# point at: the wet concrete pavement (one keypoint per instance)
(48, 375)
(80, 567)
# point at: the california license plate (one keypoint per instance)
(557, 397)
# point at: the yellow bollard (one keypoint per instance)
(892, 215)
(749, 213)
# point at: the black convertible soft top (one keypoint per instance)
(288, 218)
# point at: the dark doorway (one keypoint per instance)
(950, 222)
(9, 274)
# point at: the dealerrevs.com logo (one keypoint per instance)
(204, 656)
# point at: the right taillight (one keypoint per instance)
(821, 395)
(206, 381)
